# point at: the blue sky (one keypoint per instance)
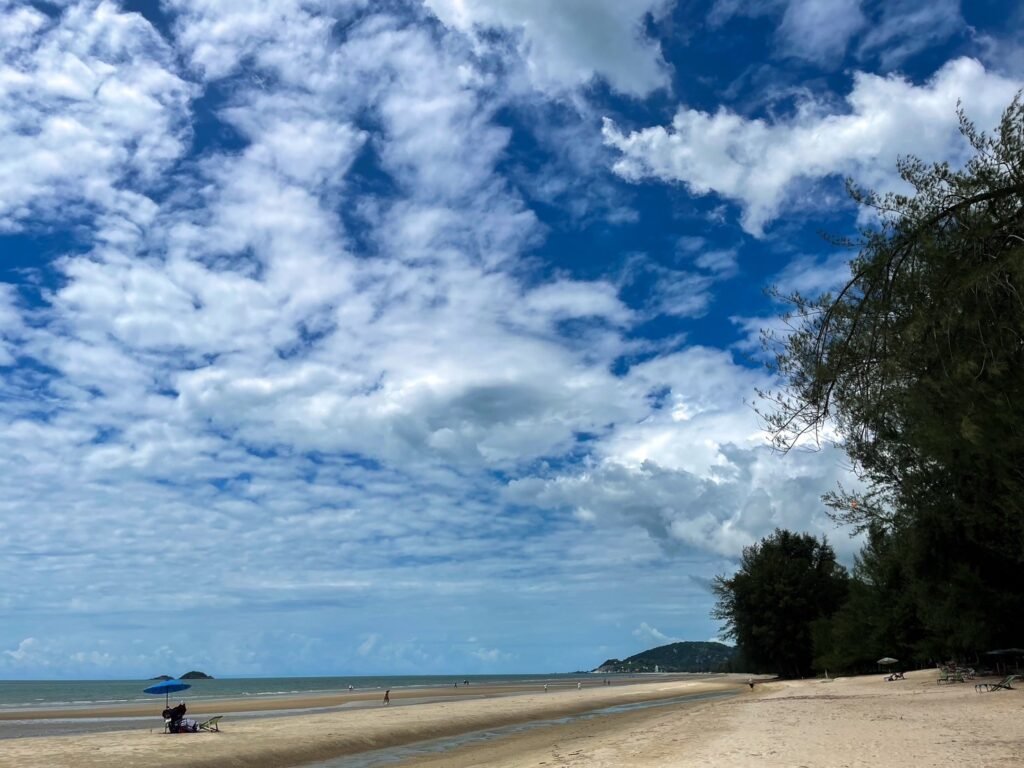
(351, 337)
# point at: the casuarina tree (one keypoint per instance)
(917, 365)
(785, 584)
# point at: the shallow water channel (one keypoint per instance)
(392, 755)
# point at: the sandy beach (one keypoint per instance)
(855, 722)
(862, 722)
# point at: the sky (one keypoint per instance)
(353, 337)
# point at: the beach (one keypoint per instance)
(862, 722)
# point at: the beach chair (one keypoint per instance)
(1006, 684)
(950, 677)
(211, 724)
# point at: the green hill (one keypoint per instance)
(194, 675)
(676, 657)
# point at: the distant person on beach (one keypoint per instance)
(750, 682)
(387, 696)
(579, 686)
(545, 687)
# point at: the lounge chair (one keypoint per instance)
(1004, 684)
(950, 677)
(211, 724)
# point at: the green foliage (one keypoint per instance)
(675, 657)
(918, 364)
(195, 675)
(879, 617)
(785, 584)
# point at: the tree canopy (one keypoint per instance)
(916, 365)
(785, 584)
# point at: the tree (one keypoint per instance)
(879, 617)
(785, 583)
(918, 364)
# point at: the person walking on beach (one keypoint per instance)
(545, 687)
(579, 686)
(387, 697)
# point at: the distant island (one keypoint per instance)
(193, 675)
(676, 657)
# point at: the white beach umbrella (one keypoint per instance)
(886, 660)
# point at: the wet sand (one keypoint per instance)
(282, 741)
(304, 702)
(861, 722)
(847, 723)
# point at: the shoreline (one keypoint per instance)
(854, 721)
(300, 740)
(318, 700)
(862, 721)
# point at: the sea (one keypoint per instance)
(51, 694)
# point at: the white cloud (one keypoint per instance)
(749, 493)
(88, 101)
(11, 324)
(649, 635)
(235, 374)
(819, 30)
(696, 473)
(24, 650)
(721, 263)
(571, 42)
(320, 368)
(221, 36)
(812, 276)
(902, 28)
(490, 655)
(367, 646)
(762, 165)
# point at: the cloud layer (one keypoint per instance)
(764, 165)
(331, 342)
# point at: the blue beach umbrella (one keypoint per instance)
(167, 687)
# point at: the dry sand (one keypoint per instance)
(852, 722)
(862, 722)
(277, 742)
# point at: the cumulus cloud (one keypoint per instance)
(327, 418)
(649, 635)
(570, 43)
(748, 494)
(490, 655)
(323, 357)
(11, 323)
(696, 474)
(89, 101)
(763, 165)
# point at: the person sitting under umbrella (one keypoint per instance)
(179, 723)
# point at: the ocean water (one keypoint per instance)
(48, 694)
